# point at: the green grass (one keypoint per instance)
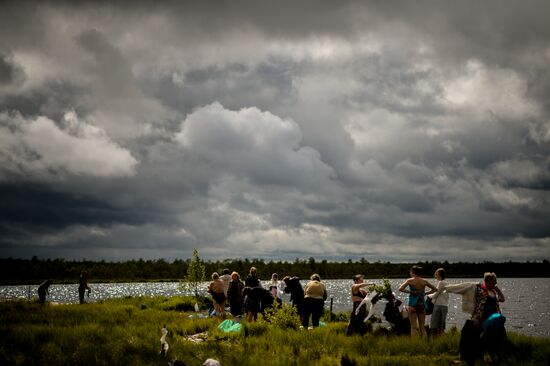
(127, 332)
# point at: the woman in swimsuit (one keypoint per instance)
(358, 292)
(417, 302)
(215, 288)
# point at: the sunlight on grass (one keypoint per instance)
(127, 332)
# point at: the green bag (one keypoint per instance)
(228, 326)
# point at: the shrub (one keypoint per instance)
(284, 316)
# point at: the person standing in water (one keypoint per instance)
(43, 291)
(83, 286)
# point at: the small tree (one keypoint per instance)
(196, 273)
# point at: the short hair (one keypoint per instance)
(253, 270)
(441, 272)
(226, 271)
(416, 270)
(236, 274)
(286, 279)
(489, 275)
(357, 277)
(215, 276)
(315, 277)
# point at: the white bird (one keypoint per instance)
(163, 344)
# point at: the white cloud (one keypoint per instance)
(499, 91)
(40, 147)
(253, 144)
(521, 171)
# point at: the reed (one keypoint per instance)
(127, 332)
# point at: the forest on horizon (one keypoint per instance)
(34, 271)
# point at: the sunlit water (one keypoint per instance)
(527, 305)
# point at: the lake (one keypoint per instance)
(527, 305)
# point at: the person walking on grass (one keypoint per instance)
(415, 287)
(440, 300)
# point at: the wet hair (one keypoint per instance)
(215, 276)
(315, 277)
(441, 272)
(357, 277)
(490, 275)
(416, 270)
(236, 274)
(226, 271)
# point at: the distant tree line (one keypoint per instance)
(33, 271)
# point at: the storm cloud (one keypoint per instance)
(384, 130)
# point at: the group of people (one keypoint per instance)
(44, 289)
(479, 299)
(484, 329)
(250, 297)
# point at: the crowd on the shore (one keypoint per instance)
(249, 298)
(483, 331)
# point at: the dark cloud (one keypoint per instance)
(41, 206)
(10, 73)
(397, 130)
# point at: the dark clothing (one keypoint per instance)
(251, 281)
(253, 299)
(475, 339)
(294, 288)
(218, 297)
(393, 315)
(82, 287)
(315, 308)
(235, 297)
(356, 323)
(43, 291)
(470, 345)
(257, 299)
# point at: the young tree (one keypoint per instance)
(196, 273)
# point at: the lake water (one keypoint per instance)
(527, 305)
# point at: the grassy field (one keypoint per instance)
(127, 332)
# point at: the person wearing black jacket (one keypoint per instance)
(235, 294)
(252, 279)
(294, 288)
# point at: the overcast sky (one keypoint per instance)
(389, 130)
